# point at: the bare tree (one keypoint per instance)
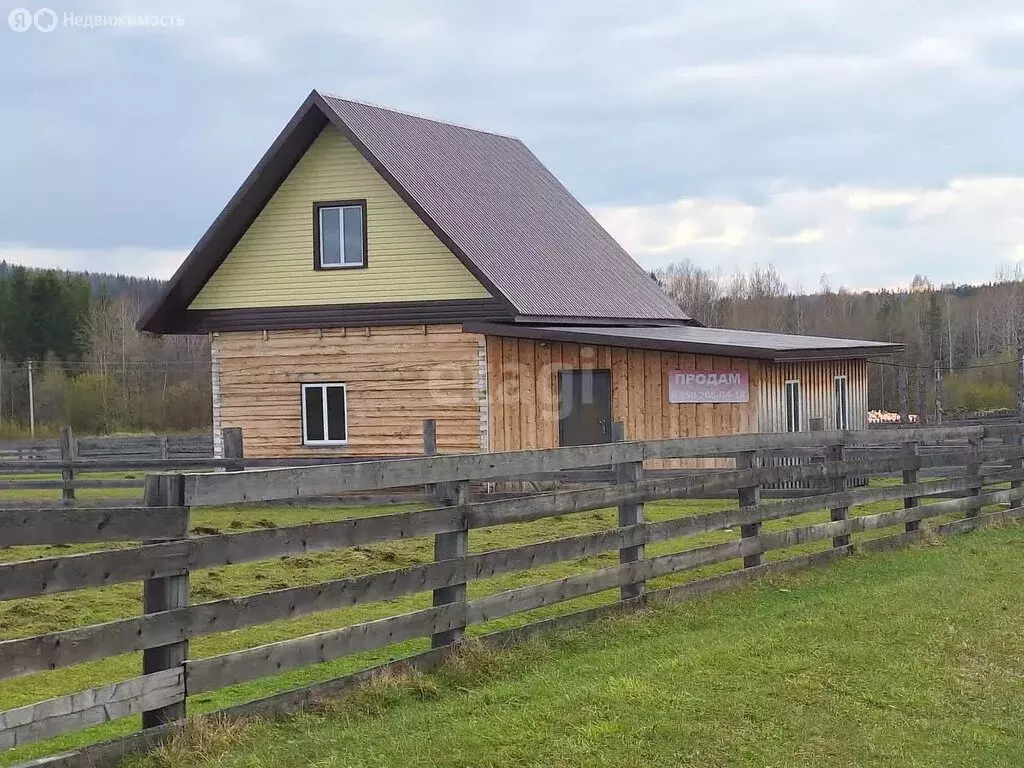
(963, 326)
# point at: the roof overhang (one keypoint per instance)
(166, 313)
(688, 340)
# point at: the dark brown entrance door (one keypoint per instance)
(585, 407)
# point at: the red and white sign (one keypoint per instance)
(708, 387)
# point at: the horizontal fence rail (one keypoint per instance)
(326, 480)
(979, 480)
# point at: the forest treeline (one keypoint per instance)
(92, 369)
(970, 332)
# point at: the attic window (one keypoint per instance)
(339, 234)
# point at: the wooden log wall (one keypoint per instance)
(977, 480)
(499, 394)
(395, 377)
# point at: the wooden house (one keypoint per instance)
(378, 268)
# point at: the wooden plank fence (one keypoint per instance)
(78, 459)
(983, 483)
(71, 457)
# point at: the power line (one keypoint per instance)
(116, 364)
(139, 364)
(933, 367)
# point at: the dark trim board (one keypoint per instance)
(165, 314)
(453, 311)
(169, 313)
(602, 321)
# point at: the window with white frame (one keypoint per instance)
(841, 403)
(794, 416)
(340, 236)
(324, 414)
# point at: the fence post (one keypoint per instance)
(910, 449)
(447, 546)
(67, 455)
(164, 594)
(429, 449)
(629, 514)
(451, 546)
(837, 484)
(974, 472)
(233, 448)
(749, 496)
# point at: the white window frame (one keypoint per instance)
(799, 413)
(323, 386)
(341, 235)
(844, 405)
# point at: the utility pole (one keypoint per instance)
(921, 386)
(31, 404)
(1020, 383)
(938, 392)
(949, 334)
(903, 384)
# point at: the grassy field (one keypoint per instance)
(20, 618)
(911, 658)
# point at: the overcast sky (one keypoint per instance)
(862, 140)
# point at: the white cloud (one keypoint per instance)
(803, 237)
(858, 237)
(239, 49)
(140, 262)
(872, 133)
(684, 224)
(871, 199)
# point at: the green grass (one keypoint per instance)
(911, 658)
(20, 618)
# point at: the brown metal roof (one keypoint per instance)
(510, 216)
(780, 347)
(486, 196)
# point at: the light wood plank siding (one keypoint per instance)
(272, 264)
(523, 392)
(817, 383)
(395, 377)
